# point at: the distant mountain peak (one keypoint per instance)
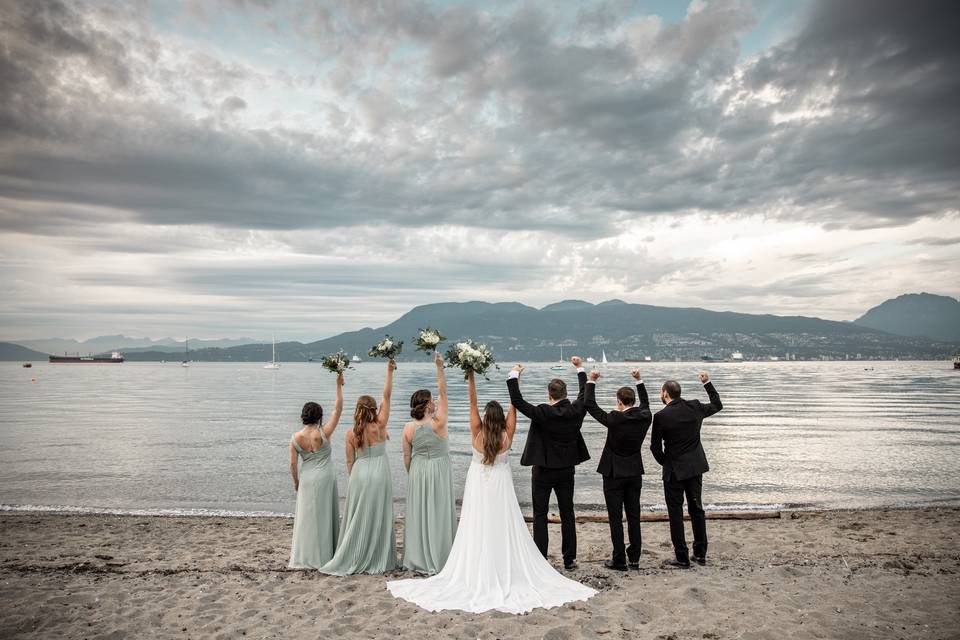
(916, 314)
(612, 301)
(567, 305)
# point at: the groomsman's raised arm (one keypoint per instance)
(643, 400)
(577, 361)
(593, 408)
(714, 405)
(516, 398)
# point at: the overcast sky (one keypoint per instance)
(248, 167)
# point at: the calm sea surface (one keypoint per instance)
(213, 437)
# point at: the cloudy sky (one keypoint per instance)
(247, 167)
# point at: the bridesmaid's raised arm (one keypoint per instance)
(475, 422)
(440, 413)
(511, 424)
(331, 424)
(383, 416)
(293, 466)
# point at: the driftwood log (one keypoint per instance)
(662, 517)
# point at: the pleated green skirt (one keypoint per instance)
(431, 520)
(367, 542)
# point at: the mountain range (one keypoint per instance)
(103, 344)
(916, 314)
(517, 332)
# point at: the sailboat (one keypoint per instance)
(560, 366)
(603, 360)
(355, 358)
(273, 364)
(186, 353)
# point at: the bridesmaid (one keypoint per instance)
(367, 539)
(317, 515)
(431, 521)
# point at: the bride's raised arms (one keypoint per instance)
(511, 425)
(331, 424)
(475, 422)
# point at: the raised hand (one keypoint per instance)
(437, 359)
(704, 377)
(594, 375)
(340, 379)
(392, 365)
(577, 361)
(636, 374)
(518, 368)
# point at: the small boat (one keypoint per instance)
(27, 365)
(647, 359)
(736, 356)
(560, 365)
(186, 353)
(603, 360)
(591, 359)
(355, 358)
(956, 361)
(273, 364)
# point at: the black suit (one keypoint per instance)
(554, 447)
(675, 444)
(621, 465)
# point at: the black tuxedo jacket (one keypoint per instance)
(675, 442)
(626, 430)
(554, 439)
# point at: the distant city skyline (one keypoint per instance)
(239, 168)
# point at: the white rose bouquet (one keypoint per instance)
(389, 348)
(337, 363)
(470, 356)
(428, 339)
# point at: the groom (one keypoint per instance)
(554, 448)
(675, 444)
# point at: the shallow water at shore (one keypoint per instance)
(212, 438)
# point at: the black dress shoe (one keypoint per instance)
(634, 565)
(570, 566)
(610, 564)
(677, 564)
(700, 560)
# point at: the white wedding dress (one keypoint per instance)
(494, 563)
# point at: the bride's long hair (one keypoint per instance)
(364, 414)
(492, 426)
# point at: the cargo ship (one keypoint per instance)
(115, 357)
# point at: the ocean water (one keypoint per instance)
(212, 438)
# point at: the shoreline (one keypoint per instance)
(855, 573)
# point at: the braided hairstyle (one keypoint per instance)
(312, 413)
(419, 402)
(364, 414)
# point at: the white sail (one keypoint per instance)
(603, 360)
(273, 364)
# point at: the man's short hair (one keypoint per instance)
(627, 396)
(557, 389)
(672, 387)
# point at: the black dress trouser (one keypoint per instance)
(623, 494)
(673, 492)
(559, 481)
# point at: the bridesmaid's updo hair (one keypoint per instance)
(492, 426)
(418, 403)
(312, 413)
(364, 414)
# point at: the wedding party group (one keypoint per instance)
(487, 560)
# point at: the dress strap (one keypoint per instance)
(293, 441)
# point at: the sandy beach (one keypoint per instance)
(836, 574)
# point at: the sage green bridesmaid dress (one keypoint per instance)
(431, 520)
(367, 539)
(317, 517)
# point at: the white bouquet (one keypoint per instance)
(429, 339)
(470, 356)
(337, 363)
(389, 347)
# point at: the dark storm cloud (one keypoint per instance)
(584, 122)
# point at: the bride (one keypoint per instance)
(494, 563)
